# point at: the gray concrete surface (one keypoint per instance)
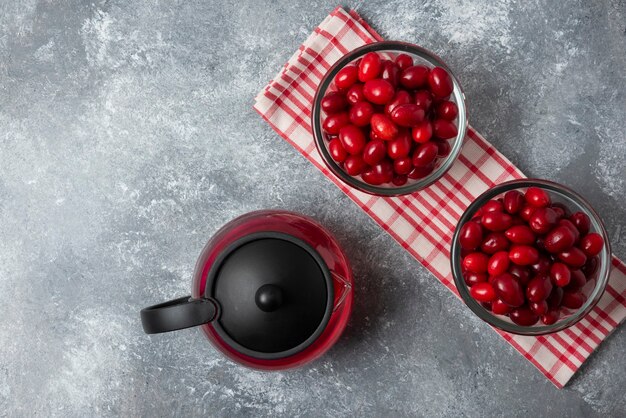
(128, 137)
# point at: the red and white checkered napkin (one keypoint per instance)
(423, 223)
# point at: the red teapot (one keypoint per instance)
(272, 290)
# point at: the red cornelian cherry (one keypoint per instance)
(498, 263)
(425, 154)
(483, 292)
(422, 132)
(537, 197)
(401, 97)
(551, 317)
(346, 77)
(520, 234)
(574, 300)
(402, 165)
(414, 77)
(472, 278)
(493, 206)
(494, 242)
(560, 274)
(523, 255)
(447, 110)
(333, 123)
(573, 257)
(542, 220)
(581, 221)
(443, 149)
(399, 147)
(384, 169)
(542, 266)
(592, 244)
(361, 113)
(421, 172)
(390, 72)
(374, 152)
(470, 235)
(379, 173)
(509, 290)
(334, 102)
(370, 177)
(352, 139)
(369, 67)
(378, 91)
(562, 207)
(337, 151)
(577, 281)
(590, 268)
(496, 221)
(355, 94)
(423, 98)
(354, 165)
(526, 212)
(513, 201)
(475, 262)
(383, 126)
(538, 288)
(522, 273)
(567, 223)
(408, 115)
(498, 307)
(559, 239)
(444, 129)
(539, 308)
(404, 61)
(440, 82)
(399, 180)
(560, 212)
(524, 317)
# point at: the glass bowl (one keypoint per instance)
(594, 288)
(420, 56)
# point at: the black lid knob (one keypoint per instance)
(269, 297)
(275, 294)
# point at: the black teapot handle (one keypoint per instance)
(177, 314)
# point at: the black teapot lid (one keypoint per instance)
(275, 295)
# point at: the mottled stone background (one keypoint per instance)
(128, 137)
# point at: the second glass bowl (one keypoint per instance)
(594, 288)
(420, 57)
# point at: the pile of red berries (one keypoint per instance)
(528, 258)
(389, 120)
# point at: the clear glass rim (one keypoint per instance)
(604, 264)
(392, 46)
